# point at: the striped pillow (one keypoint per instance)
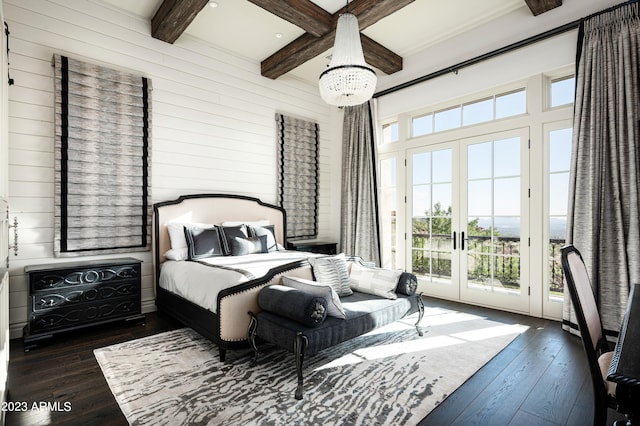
(332, 270)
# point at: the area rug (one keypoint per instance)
(388, 376)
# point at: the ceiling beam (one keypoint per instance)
(173, 17)
(379, 56)
(301, 13)
(307, 47)
(541, 6)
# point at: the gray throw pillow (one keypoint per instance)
(334, 307)
(332, 270)
(243, 246)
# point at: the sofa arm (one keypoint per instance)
(407, 284)
(294, 304)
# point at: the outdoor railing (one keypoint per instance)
(492, 261)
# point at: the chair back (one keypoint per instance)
(589, 322)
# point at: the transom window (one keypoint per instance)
(478, 111)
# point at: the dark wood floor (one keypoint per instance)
(539, 379)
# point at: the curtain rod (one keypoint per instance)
(506, 49)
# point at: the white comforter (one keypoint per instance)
(200, 283)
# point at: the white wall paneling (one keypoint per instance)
(213, 121)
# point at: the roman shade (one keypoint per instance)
(298, 174)
(102, 159)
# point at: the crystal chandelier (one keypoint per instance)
(348, 80)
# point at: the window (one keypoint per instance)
(559, 164)
(510, 104)
(562, 91)
(422, 125)
(447, 119)
(475, 112)
(388, 210)
(390, 132)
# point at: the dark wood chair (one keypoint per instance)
(598, 351)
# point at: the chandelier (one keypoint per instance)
(348, 80)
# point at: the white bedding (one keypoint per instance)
(200, 283)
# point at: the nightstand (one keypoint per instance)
(321, 247)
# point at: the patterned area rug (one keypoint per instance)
(389, 376)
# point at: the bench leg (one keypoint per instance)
(299, 345)
(420, 314)
(251, 335)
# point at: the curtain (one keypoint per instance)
(102, 160)
(359, 234)
(604, 192)
(298, 183)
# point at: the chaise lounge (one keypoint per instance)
(295, 319)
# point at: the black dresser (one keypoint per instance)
(69, 296)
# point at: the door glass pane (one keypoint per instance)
(388, 209)
(559, 163)
(493, 212)
(431, 242)
(480, 167)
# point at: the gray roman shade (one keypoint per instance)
(298, 144)
(102, 159)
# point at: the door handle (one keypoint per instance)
(454, 239)
(462, 240)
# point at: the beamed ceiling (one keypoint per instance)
(318, 25)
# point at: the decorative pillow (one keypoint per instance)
(294, 304)
(334, 306)
(242, 246)
(376, 281)
(407, 284)
(332, 270)
(179, 250)
(268, 231)
(203, 242)
(231, 232)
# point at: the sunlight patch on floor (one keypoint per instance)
(423, 344)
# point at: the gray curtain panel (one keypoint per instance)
(298, 182)
(359, 234)
(604, 194)
(102, 160)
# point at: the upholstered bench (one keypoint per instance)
(294, 316)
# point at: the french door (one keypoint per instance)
(468, 203)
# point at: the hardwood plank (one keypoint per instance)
(173, 17)
(301, 13)
(538, 7)
(379, 56)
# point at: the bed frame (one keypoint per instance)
(228, 327)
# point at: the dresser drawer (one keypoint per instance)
(54, 298)
(71, 316)
(53, 279)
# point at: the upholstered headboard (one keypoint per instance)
(214, 209)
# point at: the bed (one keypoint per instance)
(225, 321)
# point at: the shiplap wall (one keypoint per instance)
(213, 121)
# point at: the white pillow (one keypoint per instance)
(376, 281)
(177, 254)
(334, 306)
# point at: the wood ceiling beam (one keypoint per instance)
(379, 56)
(541, 6)
(307, 46)
(173, 17)
(301, 13)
